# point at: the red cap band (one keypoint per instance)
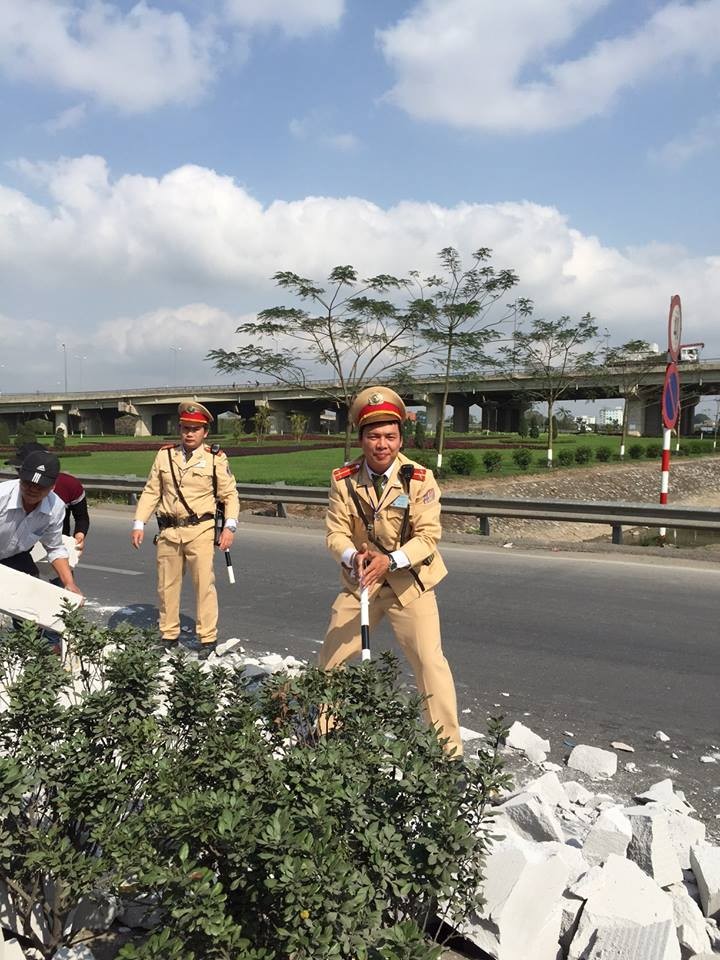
(383, 408)
(195, 417)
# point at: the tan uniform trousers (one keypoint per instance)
(172, 558)
(417, 630)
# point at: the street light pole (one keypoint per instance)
(65, 363)
(175, 351)
(77, 357)
(717, 413)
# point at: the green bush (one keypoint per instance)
(25, 434)
(522, 458)
(4, 434)
(542, 460)
(259, 838)
(59, 440)
(462, 462)
(603, 454)
(420, 433)
(534, 430)
(40, 426)
(695, 449)
(636, 451)
(653, 451)
(523, 427)
(583, 454)
(566, 458)
(492, 460)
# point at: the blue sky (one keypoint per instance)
(160, 161)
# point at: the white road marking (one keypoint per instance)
(95, 566)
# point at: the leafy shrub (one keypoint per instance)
(695, 449)
(542, 460)
(534, 430)
(523, 426)
(492, 460)
(259, 838)
(566, 458)
(522, 458)
(603, 454)
(59, 440)
(420, 432)
(4, 434)
(653, 451)
(583, 454)
(636, 451)
(462, 462)
(25, 434)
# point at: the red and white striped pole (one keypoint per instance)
(665, 475)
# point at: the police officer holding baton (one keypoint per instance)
(187, 483)
(383, 527)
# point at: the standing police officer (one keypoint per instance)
(185, 485)
(383, 526)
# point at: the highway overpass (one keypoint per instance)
(501, 398)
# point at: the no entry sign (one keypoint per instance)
(674, 328)
(671, 396)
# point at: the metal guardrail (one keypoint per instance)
(616, 514)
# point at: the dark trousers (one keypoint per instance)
(22, 562)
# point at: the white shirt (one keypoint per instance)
(20, 531)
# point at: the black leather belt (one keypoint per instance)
(165, 521)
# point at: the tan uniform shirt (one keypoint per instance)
(195, 479)
(346, 529)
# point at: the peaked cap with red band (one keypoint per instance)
(376, 405)
(189, 411)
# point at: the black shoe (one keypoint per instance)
(206, 649)
(168, 643)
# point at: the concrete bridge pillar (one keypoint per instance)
(433, 406)
(461, 416)
(61, 421)
(636, 416)
(685, 420)
(143, 424)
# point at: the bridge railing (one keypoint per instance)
(615, 514)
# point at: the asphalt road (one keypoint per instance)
(599, 646)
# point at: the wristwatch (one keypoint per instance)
(392, 566)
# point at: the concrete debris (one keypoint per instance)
(708, 759)
(596, 763)
(689, 921)
(548, 788)
(662, 737)
(78, 952)
(466, 735)
(663, 793)
(232, 645)
(619, 745)
(631, 767)
(532, 818)
(685, 832)
(705, 864)
(550, 767)
(611, 833)
(93, 913)
(651, 847)
(577, 793)
(522, 738)
(626, 916)
(11, 950)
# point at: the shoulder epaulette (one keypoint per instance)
(347, 471)
(419, 473)
(168, 446)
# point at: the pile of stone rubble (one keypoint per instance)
(575, 874)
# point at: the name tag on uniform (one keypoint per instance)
(200, 463)
(400, 502)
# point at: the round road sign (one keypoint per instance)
(674, 328)
(671, 396)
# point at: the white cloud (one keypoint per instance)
(130, 265)
(134, 61)
(295, 17)
(498, 66)
(67, 119)
(315, 126)
(704, 136)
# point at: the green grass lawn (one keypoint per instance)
(313, 467)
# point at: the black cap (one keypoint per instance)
(40, 467)
(22, 452)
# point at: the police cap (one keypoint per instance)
(190, 411)
(376, 405)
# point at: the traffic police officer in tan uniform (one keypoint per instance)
(383, 523)
(185, 484)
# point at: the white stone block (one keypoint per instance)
(663, 793)
(232, 645)
(523, 910)
(548, 788)
(611, 833)
(576, 792)
(93, 913)
(29, 598)
(596, 763)
(39, 553)
(626, 917)
(11, 950)
(522, 738)
(532, 818)
(78, 952)
(651, 847)
(685, 832)
(705, 864)
(689, 921)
